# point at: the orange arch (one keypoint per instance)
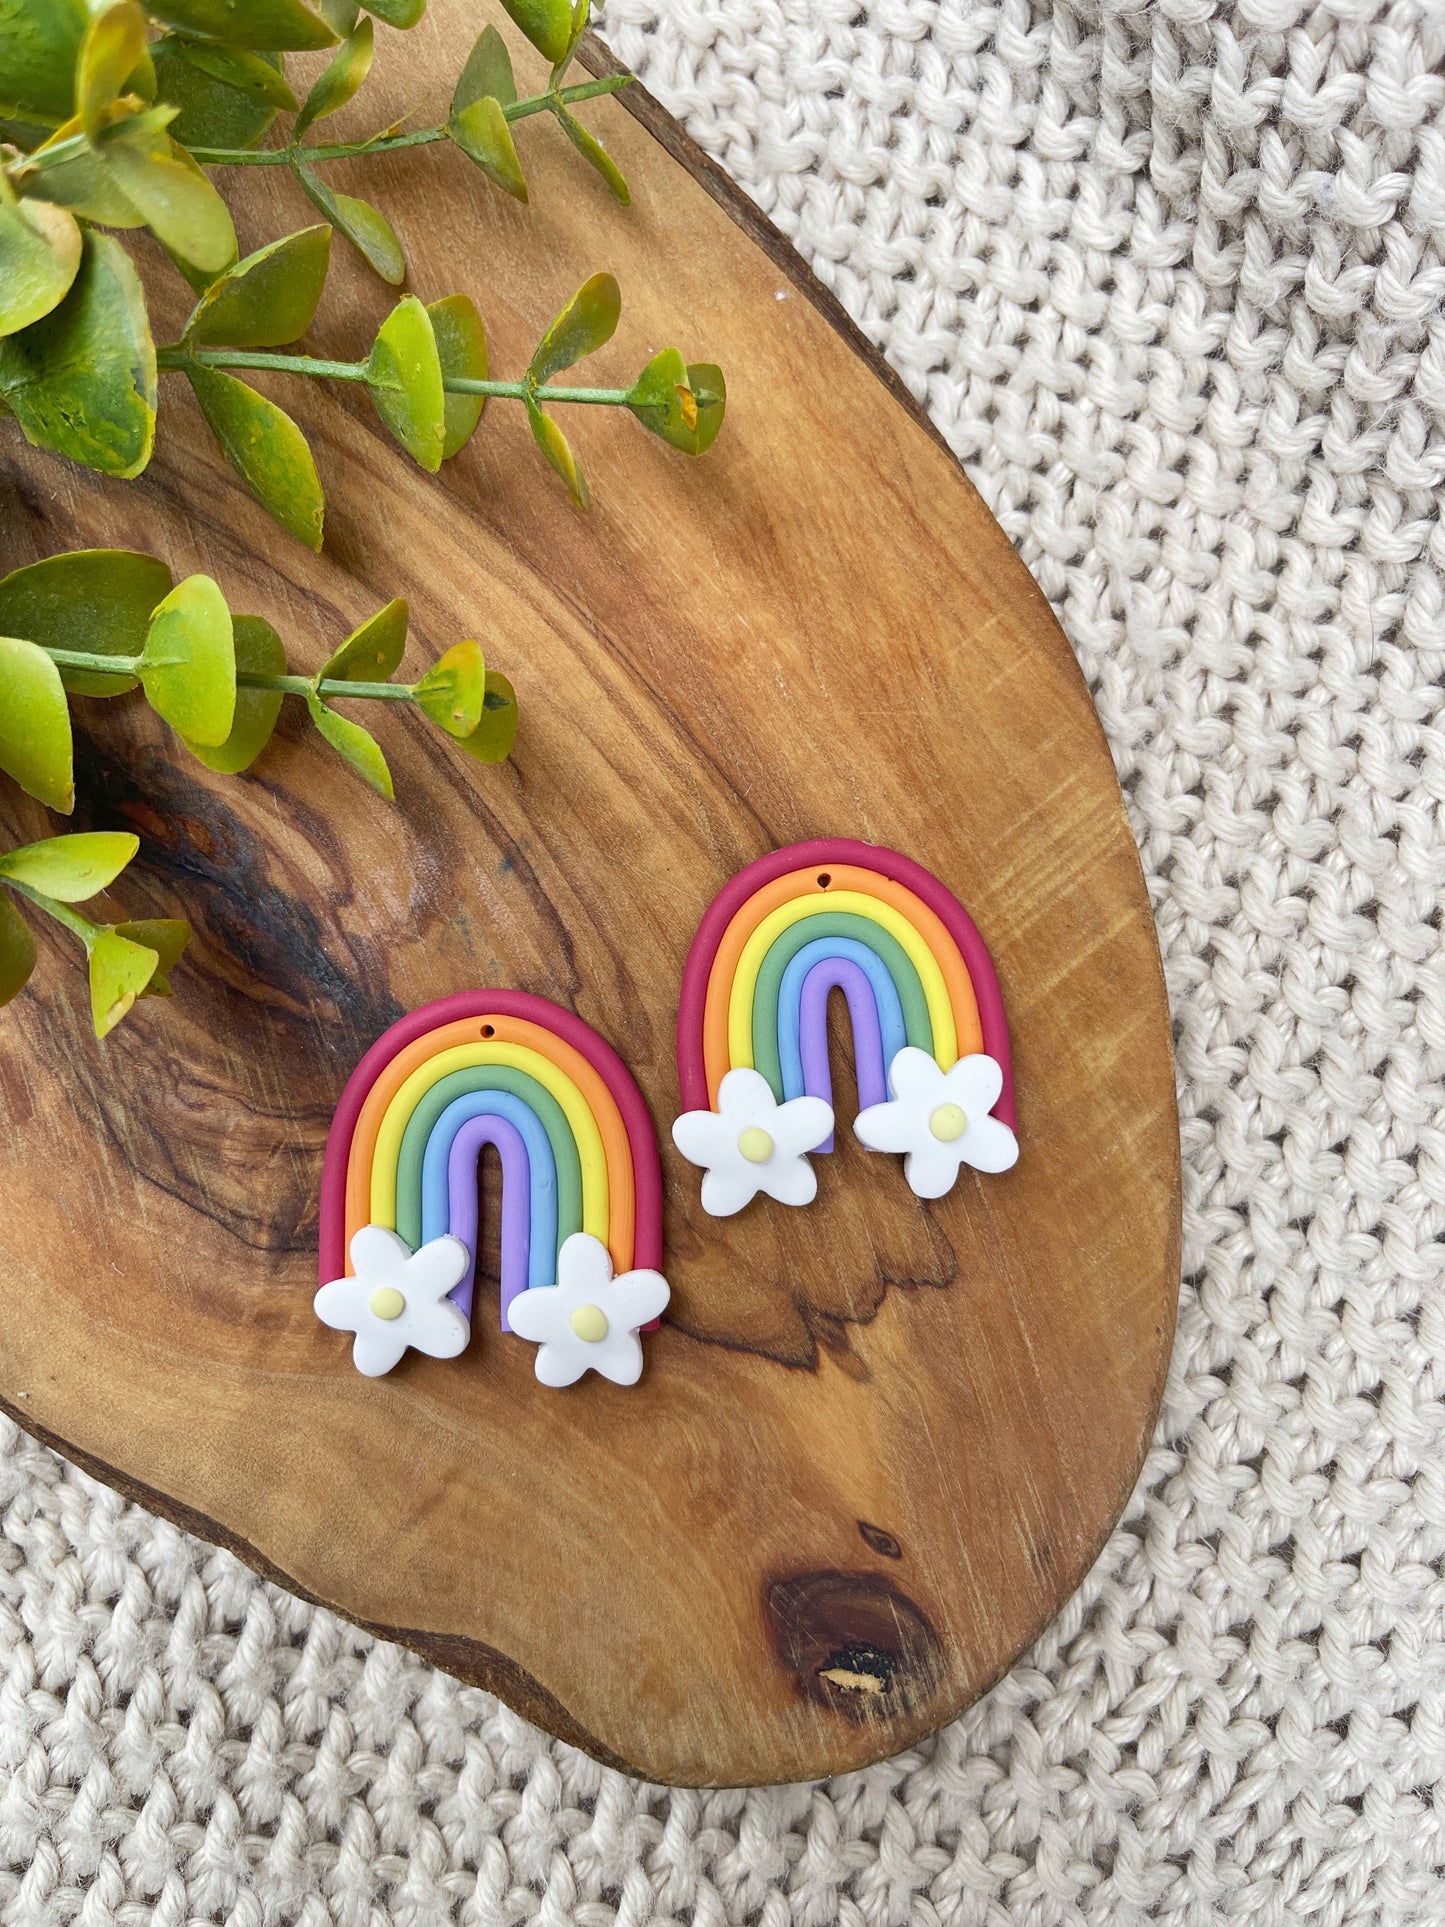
(621, 1190)
(802, 883)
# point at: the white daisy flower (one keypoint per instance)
(398, 1298)
(940, 1120)
(589, 1321)
(752, 1143)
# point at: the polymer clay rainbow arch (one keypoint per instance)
(577, 1147)
(919, 982)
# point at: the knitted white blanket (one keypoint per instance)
(1170, 278)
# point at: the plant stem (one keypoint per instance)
(78, 925)
(385, 692)
(178, 354)
(294, 156)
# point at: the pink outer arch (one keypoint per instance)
(822, 851)
(637, 1120)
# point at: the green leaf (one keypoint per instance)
(82, 181)
(404, 375)
(592, 151)
(262, 24)
(119, 973)
(167, 936)
(266, 449)
(213, 112)
(462, 348)
(584, 325)
(114, 46)
(488, 72)
(554, 445)
(397, 13)
(683, 405)
(39, 46)
(71, 868)
(259, 651)
(339, 15)
(83, 379)
(95, 600)
(254, 74)
(546, 23)
(35, 745)
(348, 68)
(17, 950)
(367, 229)
(269, 298)
(492, 739)
(39, 259)
(181, 207)
(454, 689)
(373, 652)
(482, 133)
(351, 741)
(188, 666)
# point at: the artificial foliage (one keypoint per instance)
(109, 124)
(125, 960)
(102, 622)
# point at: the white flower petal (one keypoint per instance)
(376, 1349)
(914, 1077)
(974, 1083)
(618, 1357)
(989, 1145)
(790, 1180)
(342, 1303)
(376, 1253)
(931, 1167)
(636, 1298)
(539, 1314)
(702, 1136)
(746, 1096)
(558, 1364)
(725, 1192)
(800, 1125)
(437, 1268)
(584, 1267)
(886, 1127)
(441, 1331)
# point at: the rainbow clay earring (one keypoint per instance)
(930, 1039)
(581, 1231)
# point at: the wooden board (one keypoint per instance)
(873, 1436)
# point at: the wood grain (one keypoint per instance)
(878, 1443)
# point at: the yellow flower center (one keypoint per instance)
(386, 1302)
(948, 1123)
(755, 1145)
(590, 1323)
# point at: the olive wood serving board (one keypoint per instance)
(877, 1443)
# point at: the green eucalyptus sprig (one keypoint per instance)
(99, 622)
(82, 381)
(485, 106)
(122, 148)
(125, 960)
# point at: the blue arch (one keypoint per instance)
(790, 1000)
(542, 1213)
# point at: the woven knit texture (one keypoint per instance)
(1169, 278)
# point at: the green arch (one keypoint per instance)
(832, 923)
(487, 1077)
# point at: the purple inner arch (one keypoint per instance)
(840, 973)
(463, 1205)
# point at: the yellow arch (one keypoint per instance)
(517, 1057)
(745, 978)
